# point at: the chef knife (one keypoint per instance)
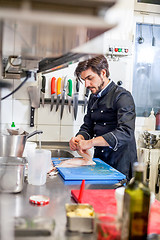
(34, 95)
(69, 94)
(63, 95)
(43, 89)
(58, 92)
(75, 99)
(53, 80)
(85, 99)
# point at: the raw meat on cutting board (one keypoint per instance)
(75, 162)
(86, 159)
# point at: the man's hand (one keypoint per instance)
(73, 143)
(79, 144)
(83, 146)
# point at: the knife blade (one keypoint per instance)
(86, 98)
(69, 94)
(53, 80)
(63, 96)
(75, 99)
(43, 89)
(58, 92)
(34, 95)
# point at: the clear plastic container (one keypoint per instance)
(38, 164)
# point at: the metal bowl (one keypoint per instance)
(12, 174)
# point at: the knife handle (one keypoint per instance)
(69, 88)
(43, 84)
(77, 85)
(87, 92)
(59, 86)
(65, 83)
(53, 84)
(32, 117)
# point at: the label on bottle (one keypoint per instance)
(138, 225)
(135, 216)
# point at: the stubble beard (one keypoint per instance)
(100, 87)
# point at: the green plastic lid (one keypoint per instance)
(13, 125)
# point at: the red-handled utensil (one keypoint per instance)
(58, 92)
(81, 191)
(53, 91)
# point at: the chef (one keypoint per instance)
(110, 120)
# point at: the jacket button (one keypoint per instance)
(101, 111)
(94, 135)
(91, 110)
(104, 123)
(94, 122)
(102, 151)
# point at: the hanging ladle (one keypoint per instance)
(140, 39)
(153, 38)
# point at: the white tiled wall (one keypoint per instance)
(121, 70)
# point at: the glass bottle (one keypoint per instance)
(136, 207)
(151, 121)
(158, 120)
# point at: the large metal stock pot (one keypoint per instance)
(13, 145)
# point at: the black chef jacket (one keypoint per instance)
(112, 116)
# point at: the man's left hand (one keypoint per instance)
(84, 145)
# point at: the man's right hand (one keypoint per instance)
(74, 142)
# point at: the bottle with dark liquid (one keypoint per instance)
(136, 207)
(158, 120)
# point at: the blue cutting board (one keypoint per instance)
(100, 171)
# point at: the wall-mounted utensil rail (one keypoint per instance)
(48, 101)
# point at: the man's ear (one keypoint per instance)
(103, 73)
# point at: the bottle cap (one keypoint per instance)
(138, 166)
(13, 125)
(152, 111)
(39, 199)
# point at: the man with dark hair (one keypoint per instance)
(110, 120)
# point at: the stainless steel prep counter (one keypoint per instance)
(59, 194)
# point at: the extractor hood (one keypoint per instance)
(38, 29)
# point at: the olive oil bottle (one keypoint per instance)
(136, 207)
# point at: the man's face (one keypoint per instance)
(92, 80)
